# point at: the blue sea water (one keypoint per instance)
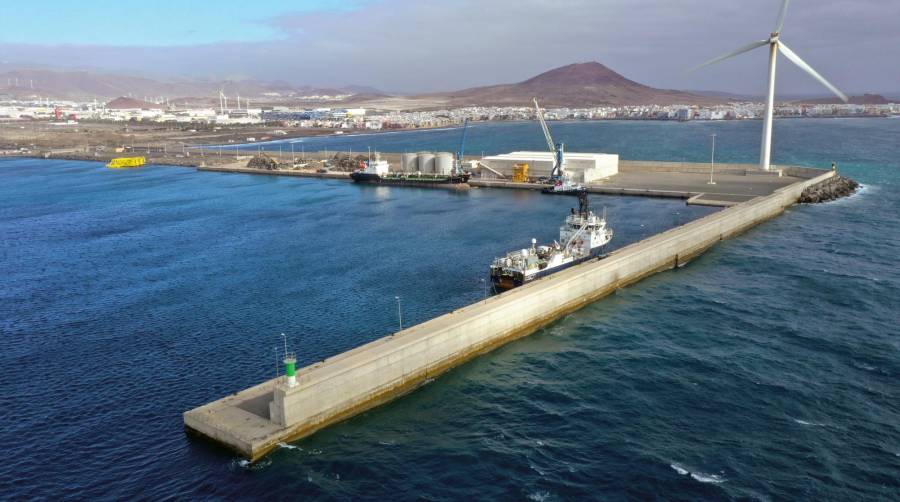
(768, 368)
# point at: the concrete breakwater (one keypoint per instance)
(254, 421)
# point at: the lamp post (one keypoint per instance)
(712, 161)
(399, 313)
(484, 285)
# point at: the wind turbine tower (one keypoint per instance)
(775, 46)
(223, 101)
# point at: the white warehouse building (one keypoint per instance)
(581, 167)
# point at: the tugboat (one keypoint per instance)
(559, 178)
(563, 186)
(581, 238)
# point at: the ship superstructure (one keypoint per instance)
(582, 237)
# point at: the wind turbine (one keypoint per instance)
(223, 101)
(775, 46)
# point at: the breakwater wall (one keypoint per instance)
(253, 422)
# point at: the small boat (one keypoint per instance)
(126, 162)
(581, 238)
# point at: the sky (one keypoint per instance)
(410, 46)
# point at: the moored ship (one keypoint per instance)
(581, 238)
(377, 171)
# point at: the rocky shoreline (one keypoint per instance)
(831, 189)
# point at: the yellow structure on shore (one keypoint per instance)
(520, 173)
(126, 162)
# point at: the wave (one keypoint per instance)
(859, 192)
(679, 469)
(289, 446)
(251, 466)
(540, 496)
(698, 476)
(708, 478)
(811, 424)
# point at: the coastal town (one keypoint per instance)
(244, 113)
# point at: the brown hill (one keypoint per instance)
(574, 85)
(123, 103)
(865, 99)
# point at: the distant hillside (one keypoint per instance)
(865, 99)
(104, 86)
(580, 84)
(730, 96)
(123, 103)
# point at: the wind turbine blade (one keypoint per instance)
(788, 53)
(780, 23)
(748, 47)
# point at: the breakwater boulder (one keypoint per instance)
(831, 189)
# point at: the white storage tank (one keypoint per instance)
(409, 162)
(443, 163)
(426, 162)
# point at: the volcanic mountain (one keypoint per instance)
(574, 85)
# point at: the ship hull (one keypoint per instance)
(505, 281)
(450, 181)
(574, 191)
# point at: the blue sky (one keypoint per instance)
(157, 23)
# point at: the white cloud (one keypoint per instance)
(408, 45)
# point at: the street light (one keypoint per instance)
(399, 313)
(484, 284)
(712, 161)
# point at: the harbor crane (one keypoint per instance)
(462, 147)
(557, 149)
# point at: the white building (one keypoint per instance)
(581, 167)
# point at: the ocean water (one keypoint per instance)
(768, 368)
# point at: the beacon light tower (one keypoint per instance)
(290, 365)
(775, 46)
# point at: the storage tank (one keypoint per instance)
(409, 162)
(443, 163)
(426, 162)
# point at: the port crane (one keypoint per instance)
(462, 147)
(557, 149)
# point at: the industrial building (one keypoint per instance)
(581, 167)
